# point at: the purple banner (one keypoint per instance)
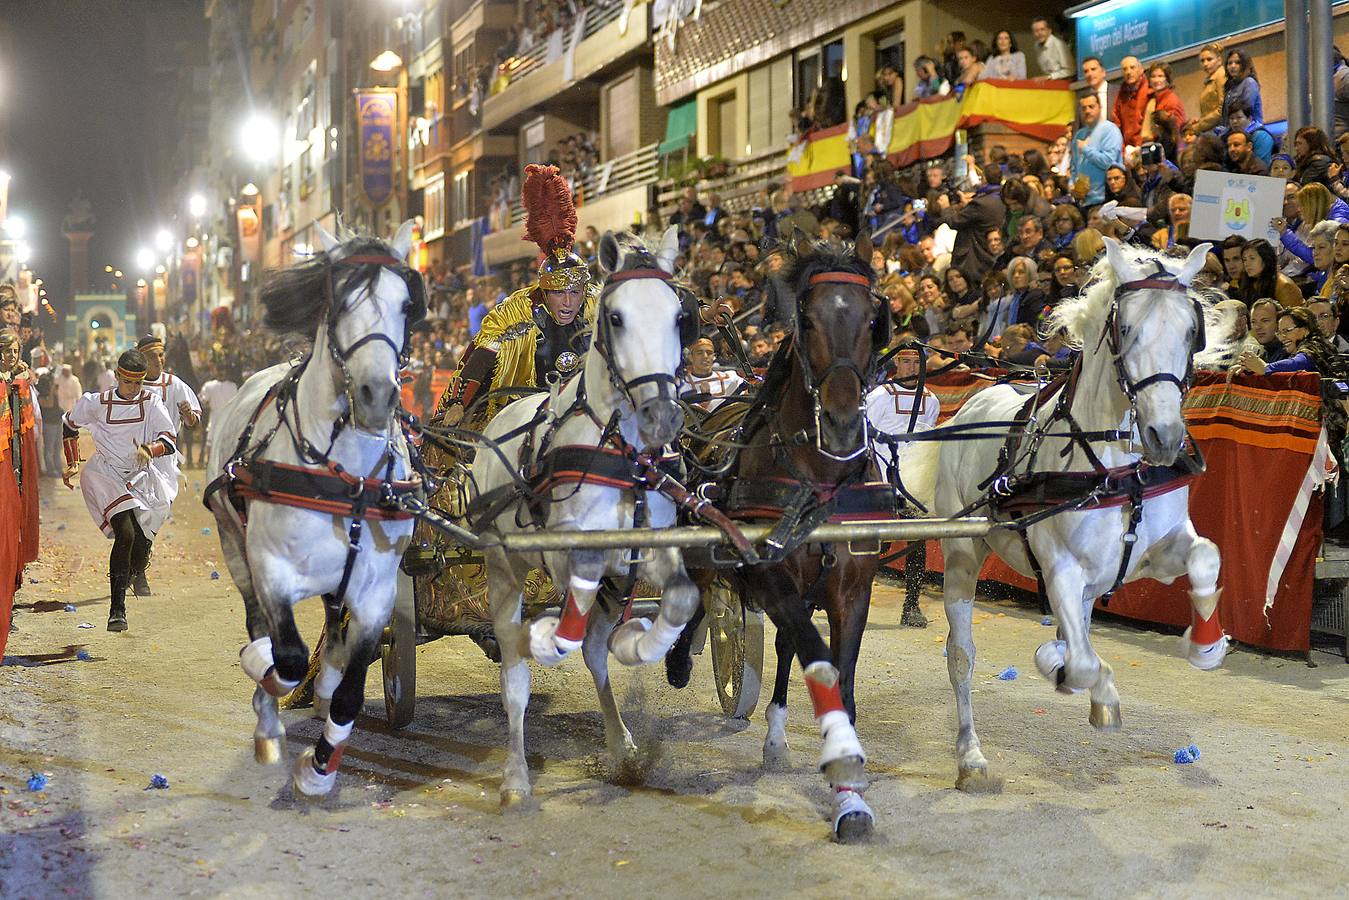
(376, 122)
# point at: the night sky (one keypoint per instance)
(72, 114)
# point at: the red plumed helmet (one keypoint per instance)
(550, 222)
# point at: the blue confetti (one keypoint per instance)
(37, 782)
(1184, 757)
(69, 607)
(206, 531)
(1008, 674)
(158, 783)
(82, 655)
(1194, 751)
(1047, 620)
(33, 581)
(215, 576)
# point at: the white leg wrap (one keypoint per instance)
(545, 645)
(309, 781)
(623, 644)
(652, 646)
(256, 659)
(1203, 656)
(777, 723)
(1050, 658)
(336, 734)
(583, 585)
(849, 802)
(840, 739)
(326, 684)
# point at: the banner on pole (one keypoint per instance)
(376, 123)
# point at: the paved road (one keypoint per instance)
(1082, 814)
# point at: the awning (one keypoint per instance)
(680, 126)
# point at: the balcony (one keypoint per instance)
(532, 78)
(740, 188)
(608, 198)
(435, 146)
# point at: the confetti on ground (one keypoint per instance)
(1008, 674)
(206, 531)
(1186, 755)
(86, 625)
(37, 782)
(215, 576)
(69, 607)
(1047, 620)
(82, 655)
(158, 783)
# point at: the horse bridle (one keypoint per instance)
(814, 386)
(666, 384)
(1161, 280)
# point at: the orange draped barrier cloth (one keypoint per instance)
(926, 129)
(1259, 436)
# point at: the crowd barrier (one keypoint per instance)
(1260, 501)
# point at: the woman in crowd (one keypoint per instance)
(1164, 104)
(1261, 276)
(1064, 285)
(1313, 155)
(962, 296)
(1242, 86)
(1121, 187)
(1211, 94)
(1281, 165)
(1006, 62)
(971, 70)
(1307, 349)
(1315, 206)
(932, 300)
(1064, 225)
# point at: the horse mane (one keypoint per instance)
(296, 298)
(823, 257)
(1085, 313)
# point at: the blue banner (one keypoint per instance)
(376, 122)
(1149, 28)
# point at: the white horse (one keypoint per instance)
(331, 412)
(628, 382)
(1139, 326)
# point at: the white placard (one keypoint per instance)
(1226, 203)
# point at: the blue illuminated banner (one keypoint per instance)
(376, 118)
(1149, 28)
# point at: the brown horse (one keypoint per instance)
(805, 460)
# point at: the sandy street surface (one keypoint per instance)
(414, 814)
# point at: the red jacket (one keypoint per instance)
(1128, 111)
(1168, 102)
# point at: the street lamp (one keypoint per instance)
(260, 138)
(15, 228)
(386, 62)
(163, 240)
(196, 206)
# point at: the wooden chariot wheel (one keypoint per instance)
(398, 655)
(735, 636)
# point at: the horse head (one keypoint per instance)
(359, 298)
(840, 326)
(641, 325)
(1152, 324)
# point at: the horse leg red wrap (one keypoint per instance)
(573, 623)
(824, 697)
(1206, 631)
(334, 759)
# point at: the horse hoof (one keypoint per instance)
(1050, 658)
(978, 781)
(1203, 656)
(1105, 717)
(308, 781)
(269, 751)
(777, 759)
(853, 818)
(678, 667)
(912, 617)
(513, 798)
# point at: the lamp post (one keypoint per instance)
(145, 261)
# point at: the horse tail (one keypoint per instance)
(918, 468)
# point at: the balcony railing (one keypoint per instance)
(437, 143)
(740, 189)
(535, 57)
(635, 169)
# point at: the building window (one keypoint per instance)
(532, 137)
(769, 106)
(461, 209)
(622, 113)
(890, 50)
(721, 126)
(434, 199)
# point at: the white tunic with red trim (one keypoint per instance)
(111, 481)
(720, 384)
(889, 408)
(172, 391)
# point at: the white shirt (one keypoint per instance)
(107, 379)
(215, 394)
(68, 390)
(171, 391)
(721, 383)
(889, 410)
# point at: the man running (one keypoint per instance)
(127, 496)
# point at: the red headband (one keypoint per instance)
(130, 375)
(840, 277)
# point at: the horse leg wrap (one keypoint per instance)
(256, 661)
(849, 802)
(652, 646)
(1204, 643)
(840, 738)
(552, 638)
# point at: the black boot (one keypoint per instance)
(140, 561)
(117, 613)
